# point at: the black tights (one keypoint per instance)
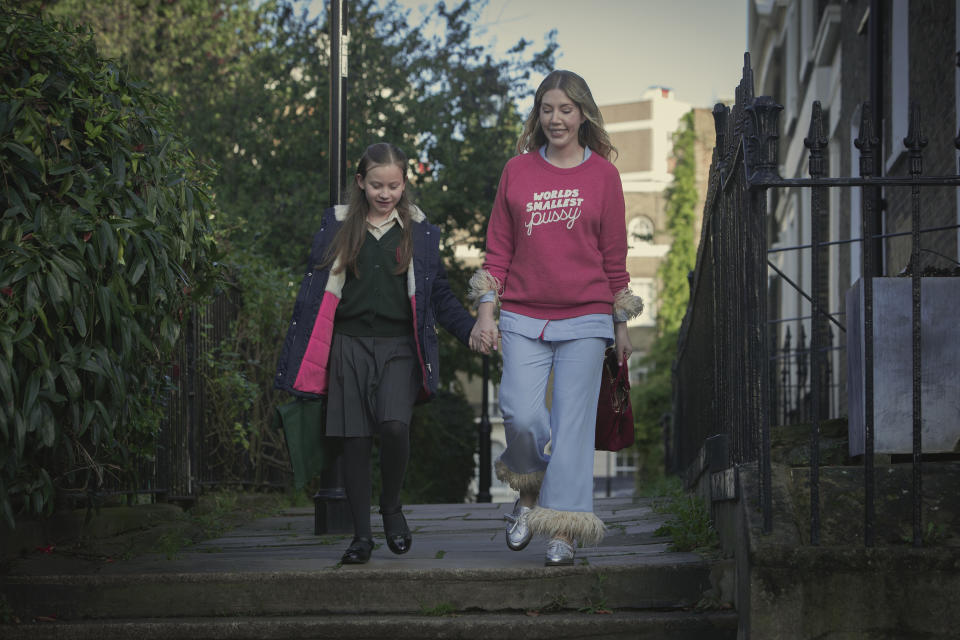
(394, 453)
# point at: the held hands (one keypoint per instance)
(483, 339)
(485, 335)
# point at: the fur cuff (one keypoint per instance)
(583, 526)
(626, 305)
(481, 283)
(525, 482)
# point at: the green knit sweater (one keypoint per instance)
(376, 303)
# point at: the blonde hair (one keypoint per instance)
(591, 134)
(351, 236)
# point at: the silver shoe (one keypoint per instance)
(518, 531)
(559, 552)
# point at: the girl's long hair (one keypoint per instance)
(350, 238)
(591, 134)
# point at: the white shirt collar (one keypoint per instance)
(393, 217)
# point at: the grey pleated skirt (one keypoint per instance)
(372, 380)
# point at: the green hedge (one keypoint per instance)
(443, 440)
(104, 239)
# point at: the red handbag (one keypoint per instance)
(614, 411)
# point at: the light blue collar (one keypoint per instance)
(586, 154)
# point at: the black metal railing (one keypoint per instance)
(740, 366)
(721, 373)
(791, 397)
(189, 451)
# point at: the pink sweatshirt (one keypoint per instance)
(557, 238)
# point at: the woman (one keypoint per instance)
(556, 263)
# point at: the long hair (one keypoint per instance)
(591, 134)
(349, 239)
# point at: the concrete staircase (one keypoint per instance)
(272, 578)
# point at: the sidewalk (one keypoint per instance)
(445, 536)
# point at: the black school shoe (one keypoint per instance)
(358, 552)
(396, 530)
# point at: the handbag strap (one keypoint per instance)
(622, 373)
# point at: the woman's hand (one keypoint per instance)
(484, 335)
(622, 342)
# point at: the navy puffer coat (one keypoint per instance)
(303, 367)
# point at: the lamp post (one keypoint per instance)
(331, 513)
(337, 149)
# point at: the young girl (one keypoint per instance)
(363, 334)
(556, 262)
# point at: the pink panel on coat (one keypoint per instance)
(424, 392)
(314, 368)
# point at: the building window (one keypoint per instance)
(640, 229)
(626, 464)
(899, 78)
(856, 212)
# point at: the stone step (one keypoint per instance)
(655, 584)
(633, 625)
(459, 564)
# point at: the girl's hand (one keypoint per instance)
(484, 335)
(622, 342)
(481, 340)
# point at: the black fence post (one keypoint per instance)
(761, 158)
(483, 466)
(915, 143)
(868, 142)
(816, 142)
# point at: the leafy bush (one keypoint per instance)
(251, 82)
(689, 526)
(237, 370)
(443, 439)
(104, 238)
(652, 398)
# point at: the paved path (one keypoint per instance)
(445, 536)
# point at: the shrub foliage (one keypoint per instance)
(250, 81)
(443, 439)
(237, 370)
(104, 238)
(652, 399)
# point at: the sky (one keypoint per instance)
(623, 47)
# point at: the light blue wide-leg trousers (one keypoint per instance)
(565, 475)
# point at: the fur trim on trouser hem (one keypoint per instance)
(523, 482)
(482, 282)
(626, 305)
(582, 526)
